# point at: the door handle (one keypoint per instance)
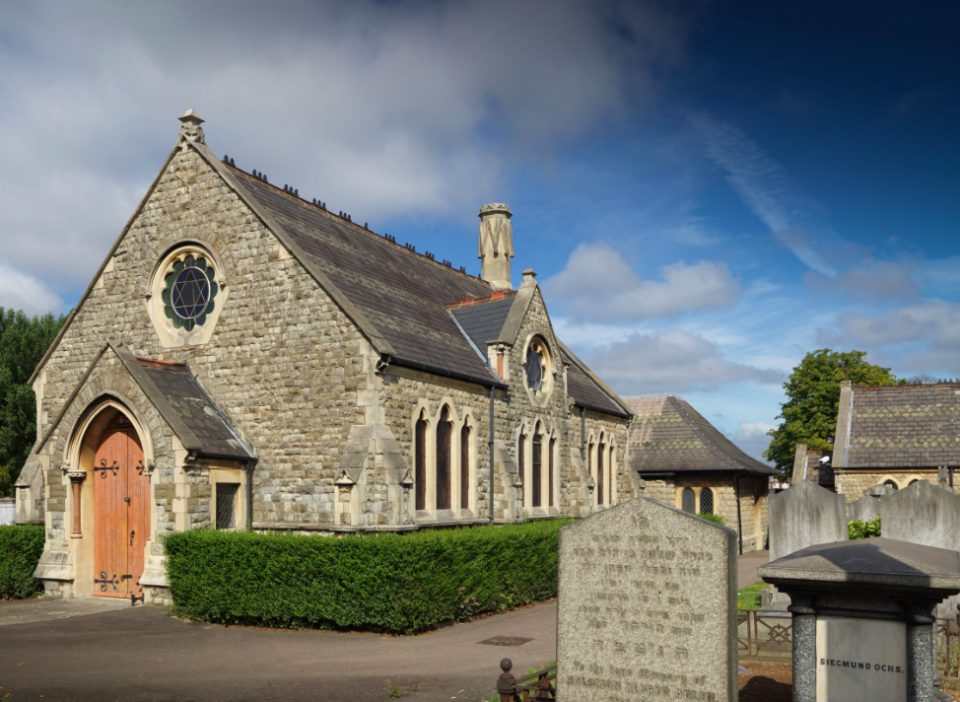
(126, 499)
(131, 536)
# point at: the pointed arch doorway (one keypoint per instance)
(121, 511)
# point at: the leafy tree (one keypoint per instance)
(813, 397)
(23, 341)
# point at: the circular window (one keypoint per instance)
(534, 369)
(189, 292)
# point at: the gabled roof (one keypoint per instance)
(396, 297)
(184, 403)
(904, 426)
(669, 436)
(188, 409)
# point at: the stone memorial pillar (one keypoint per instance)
(863, 618)
(647, 607)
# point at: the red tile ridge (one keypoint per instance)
(469, 301)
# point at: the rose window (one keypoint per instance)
(189, 292)
(535, 368)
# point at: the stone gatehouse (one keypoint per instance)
(246, 358)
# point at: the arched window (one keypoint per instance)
(420, 450)
(891, 484)
(610, 464)
(915, 480)
(600, 450)
(553, 447)
(444, 431)
(706, 501)
(465, 467)
(688, 501)
(537, 467)
(520, 465)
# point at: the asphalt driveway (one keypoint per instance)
(126, 654)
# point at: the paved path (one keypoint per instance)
(142, 654)
(747, 565)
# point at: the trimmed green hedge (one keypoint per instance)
(20, 549)
(387, 582)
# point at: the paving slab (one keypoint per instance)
(142, 654)
(747, 565)
(45, 609)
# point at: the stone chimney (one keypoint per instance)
(496, 245)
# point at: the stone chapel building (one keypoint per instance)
(245, 358)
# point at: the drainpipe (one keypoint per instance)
(249, 468)
(583, 434)
(736, 489)
(490, 442)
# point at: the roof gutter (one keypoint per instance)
(435, 370)
(594, 408)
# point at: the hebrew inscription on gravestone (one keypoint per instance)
(647, 607)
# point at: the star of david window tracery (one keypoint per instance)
(190, 291)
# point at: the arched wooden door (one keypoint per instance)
(121, 511)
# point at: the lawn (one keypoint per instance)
(749, 597)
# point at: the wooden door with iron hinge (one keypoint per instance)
(121, 511)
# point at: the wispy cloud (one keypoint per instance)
(598, 284)
(763, 185)
(672, 361)
(871, 281)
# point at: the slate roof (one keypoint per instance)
(198, 422)
(404, 295)
(585, 392)
(904, 426)
(483, 322)
(401, 293)
(669, 436)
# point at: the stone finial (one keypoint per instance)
(529, 278)
(191, 129)
(496, 245)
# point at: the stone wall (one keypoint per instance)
(852, 483)
(753, 501)
(289, 379)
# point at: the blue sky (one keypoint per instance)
(707, 191)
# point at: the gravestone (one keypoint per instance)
(867, 508)
(647, 607)
(862, 618)
(924, 514)
(804, 514)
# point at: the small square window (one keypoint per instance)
(227, 505)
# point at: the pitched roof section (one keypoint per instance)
(400, 293)
(482, 320)
(199, 423)
(905, 426)
(669, 436)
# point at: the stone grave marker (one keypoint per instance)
(804, 514)
(867, 508)
(647, 607)
(925, 514)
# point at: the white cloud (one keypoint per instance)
(380, 109)
(598, 284)
(752, 438)
(766, 189)
(871, 281)
(671, 361)
(23, 292)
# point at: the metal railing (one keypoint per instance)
(764, 635)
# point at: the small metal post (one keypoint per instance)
(507, 684)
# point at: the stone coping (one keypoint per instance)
(878, 561)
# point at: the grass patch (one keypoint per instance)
(749, 597)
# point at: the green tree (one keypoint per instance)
(23, 341)
(813, 397)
